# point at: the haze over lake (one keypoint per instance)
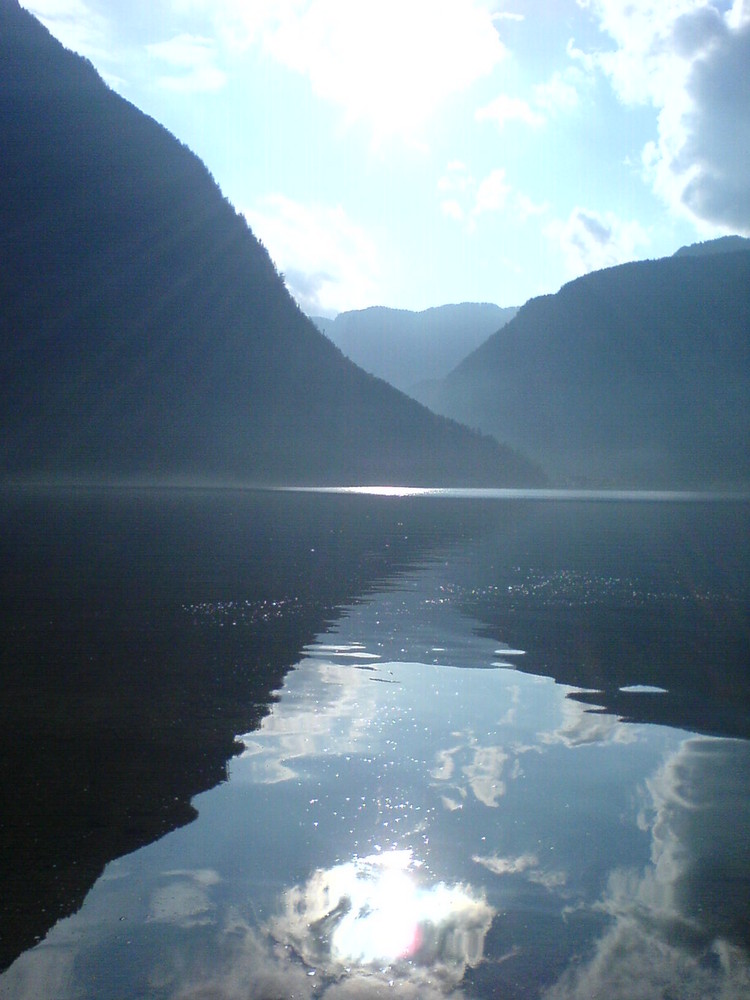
(487, 745)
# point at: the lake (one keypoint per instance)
(353, 744)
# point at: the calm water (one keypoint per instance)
(486, 746)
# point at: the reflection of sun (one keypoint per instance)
(373, 912)
(381, 923)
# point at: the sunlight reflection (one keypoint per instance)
(373, 912)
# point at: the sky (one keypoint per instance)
(411, 153)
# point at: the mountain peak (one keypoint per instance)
(407, 348)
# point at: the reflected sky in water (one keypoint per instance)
(416, 817)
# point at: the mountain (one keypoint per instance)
(634, 376)
(144, 331)
(724, 244)
(406, 348)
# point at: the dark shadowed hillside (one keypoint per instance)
(144, 331)
(724, 244)
(406, 348)
(637, 375)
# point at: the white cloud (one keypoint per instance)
(452, 209)
(591, 240)
(460, 186)
(689, 60)
(465, 199)
(528, 208)
(457, 177)
(508, 16)
(505, 109)
(558, 95)
(390, 64)
(194, 59)
(560, 92)
(76, 24)
(330, 263)
(492, 193)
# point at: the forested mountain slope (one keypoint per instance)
(638, 375)
(144, 331)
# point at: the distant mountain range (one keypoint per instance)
(406, 348)
(144, 331)
(634, 376)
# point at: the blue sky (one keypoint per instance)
(410, 153)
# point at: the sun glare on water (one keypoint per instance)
(372, 912)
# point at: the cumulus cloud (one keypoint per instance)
(717, 140)
(192, 61)
(527, 208)
(464, 198)
(390, 64)
(492, 193)
(76, 24)
(592, 240)
(505, 109)
(561, 93)
(689, 59)
(452, 208)
(505, 15)
(330, 263)
(558, 95)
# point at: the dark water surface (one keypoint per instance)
(279, 744)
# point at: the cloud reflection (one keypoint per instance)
(344, 705)
(582, 726)
(371, 927)
(375, 912)
(526, 865)
(681, 927)
(483, 773)
(184, 898)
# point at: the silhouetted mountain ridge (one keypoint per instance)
(145, 332)
(724, 244)
(633, 376)
(405, 347)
